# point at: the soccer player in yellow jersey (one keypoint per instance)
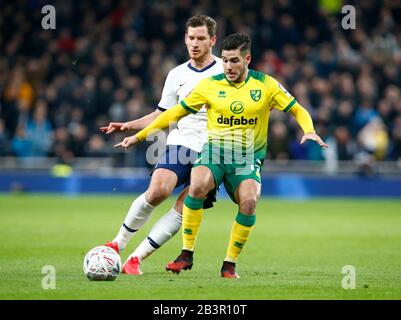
(238, 103)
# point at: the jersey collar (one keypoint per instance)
(201, 70)
(240, 85)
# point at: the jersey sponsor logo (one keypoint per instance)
(284, 90)
(237, 107)
(222, 94)
(256, 94)
(237, 121)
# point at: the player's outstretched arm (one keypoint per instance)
(305, 121)
(161, 122)
(127, 142)
(137, 124)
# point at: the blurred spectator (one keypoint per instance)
(21, 145)
(107, 61)
(18, 98)
(373, 139)
(39, 131)
(344, 144)
(279, 146)
(61, 144)
(396, 147)
(116, 111)
(314, 151)
(18, 89)
(298, 151)
(364, 114)
(66, 42)
(79, 137)
(4, 140)
(96, 146)
(343, 115)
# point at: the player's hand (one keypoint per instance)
(314, 137)
(115, 126)
(127, 142)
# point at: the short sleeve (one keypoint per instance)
(197, 98)
(281, 99)
(169, 95)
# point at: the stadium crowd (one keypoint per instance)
(107, 61)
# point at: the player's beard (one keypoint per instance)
(244, 69)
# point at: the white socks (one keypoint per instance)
(163, 230)
(137, 216)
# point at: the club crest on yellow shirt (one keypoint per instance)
(256, 94)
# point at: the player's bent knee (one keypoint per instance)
(198, 190)
(248, 205)
(157, 194)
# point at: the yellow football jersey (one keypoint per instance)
(238, 113)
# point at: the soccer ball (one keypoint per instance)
(102, 263)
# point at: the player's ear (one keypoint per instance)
(248, 58)
(213, 40)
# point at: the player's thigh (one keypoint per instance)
(179, 160)
(202, 181)
(247, 195)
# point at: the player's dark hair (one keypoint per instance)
(202, 20)
(236, 41)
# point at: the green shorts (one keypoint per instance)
(228, 167)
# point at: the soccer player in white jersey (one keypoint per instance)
(188, 139)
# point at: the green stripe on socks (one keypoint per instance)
(245, 219)
(193, 203)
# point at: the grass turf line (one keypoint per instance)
(296, 251)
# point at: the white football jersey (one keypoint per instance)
(191, 130)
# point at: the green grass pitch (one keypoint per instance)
(296, 251)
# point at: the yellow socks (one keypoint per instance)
(240, 231)
(191, 220)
